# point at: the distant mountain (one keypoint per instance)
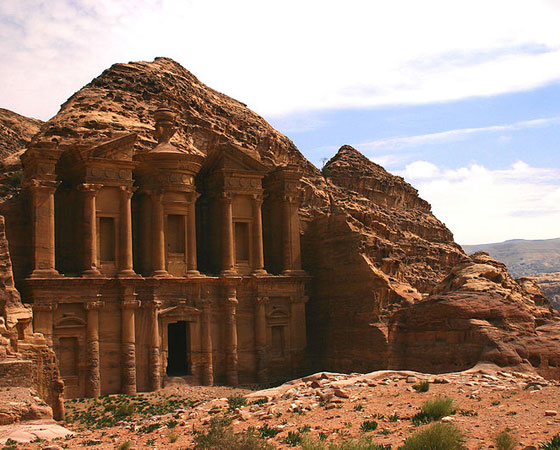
(523, 257)
(15, 131)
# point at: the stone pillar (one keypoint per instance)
(125, 234)
(93, 377)
(158, 237)
(231, 336)
(154, 356)
(228, 257)
(206, 343)
(191, 235)
(43, 319)
(258, 254)
(42, 220)
(260, 339)
(90, 230)
(128, 344)
(291, 251)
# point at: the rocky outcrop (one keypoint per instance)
(377, 249)
(370, 243)
(478, 313)
(15, 132)
(27, 360)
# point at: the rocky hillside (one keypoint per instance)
(524, 257)
(370, 243)
(15, 132)
(478, 313)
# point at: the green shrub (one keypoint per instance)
(220, 436)
(505, 441)
(423, 386)
(434, 409)
(236, 401)
(368, 425)
(364, 443)
(125, 445)
(438, 436)
(293, 439)
(268, 432)
(553, 444)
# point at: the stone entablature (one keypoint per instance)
(165, 263)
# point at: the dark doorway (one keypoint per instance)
(178, 349)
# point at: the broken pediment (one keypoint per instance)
(234, 159)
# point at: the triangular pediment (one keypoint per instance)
(119, 149)
(232, 158)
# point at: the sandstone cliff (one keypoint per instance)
(370, 243)
(478, 313)
(15, 132)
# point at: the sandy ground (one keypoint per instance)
(332, 406)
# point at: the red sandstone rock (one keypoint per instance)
(477, 313)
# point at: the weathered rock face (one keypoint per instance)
(478, 313)
(378, 248)
(26, 359)
(370, 243)
(15, 132)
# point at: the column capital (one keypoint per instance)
(130, 304)
(128, 191)
(49, 307)
(35, 184)
(152, 304)
(226, 196)
(193, 196)
(155, 194)
(257, 197)
(89, 188)
(93, 305)
(260, 300)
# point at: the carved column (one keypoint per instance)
(154, 356)
(228, 257)
(206, 341)
(125, 233)
(42, 215)
(258, 254)
(260, 339)
(158, 237)
(191, 235)
(231, 336)
(128, 344)
(93, 377)
(90, 229)
(43, 319)
(290, 235)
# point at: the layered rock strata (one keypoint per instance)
(478, 313)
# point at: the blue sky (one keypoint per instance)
(459, 98)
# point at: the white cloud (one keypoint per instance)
(455, 135)
(480, 205)
(280, 57)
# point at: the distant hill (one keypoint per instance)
(523, 257)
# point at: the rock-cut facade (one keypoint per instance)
(149, 266)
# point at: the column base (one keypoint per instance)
(91, 273)
(161, 274)
(293, 273)
(259, 272)
(230, 272)
(45, 273)
(193, 273)
(128, 274)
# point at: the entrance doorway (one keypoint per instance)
(178, 355)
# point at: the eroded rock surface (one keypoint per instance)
(550, 285)
(369, 241)
(478, 313)
(16, 132)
